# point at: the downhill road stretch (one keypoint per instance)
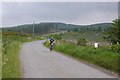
(38, 62)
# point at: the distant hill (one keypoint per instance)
(102, 25)
(51, 27)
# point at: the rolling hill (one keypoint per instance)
(51, 27)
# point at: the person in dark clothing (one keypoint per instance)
(51, 43)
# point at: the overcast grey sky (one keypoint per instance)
(82, 13)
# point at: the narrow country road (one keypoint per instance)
(38, 62)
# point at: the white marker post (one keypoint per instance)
(96, 45)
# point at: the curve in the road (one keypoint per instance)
(38, 62)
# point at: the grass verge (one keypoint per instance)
(11, 63)
(0, 59)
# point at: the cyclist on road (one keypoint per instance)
(51, 43)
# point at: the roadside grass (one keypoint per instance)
(10, 61)
(101, 56)
(0, 55)
(10, 56)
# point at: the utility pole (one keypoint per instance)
(33, 28)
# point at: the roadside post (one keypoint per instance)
(96, 45)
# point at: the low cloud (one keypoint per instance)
(15, 13)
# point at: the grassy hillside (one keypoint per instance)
(96, 36)
(44, 28)
(28, 28)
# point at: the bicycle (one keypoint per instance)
(51, 46)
